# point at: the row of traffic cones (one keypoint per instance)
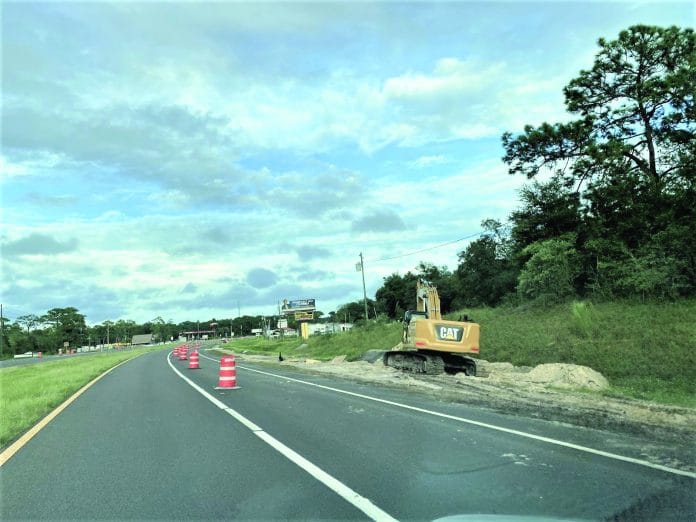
(227, 379)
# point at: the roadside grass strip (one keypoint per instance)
(28, 393)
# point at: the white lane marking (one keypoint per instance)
(210, 358)
(489, 426)
(357, 500)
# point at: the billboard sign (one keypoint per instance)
(304, 316)
(298, 305)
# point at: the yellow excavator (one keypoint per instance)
(431, 344)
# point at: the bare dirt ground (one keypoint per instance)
(558, 392)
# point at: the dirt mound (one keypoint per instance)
(568, 376)
(558, 375)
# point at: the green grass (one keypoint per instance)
(29, 392)
(646, 351)
(355, 342)
(325, 347)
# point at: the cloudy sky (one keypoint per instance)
(176, 159)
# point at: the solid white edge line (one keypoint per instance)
(489, 426)
(338, 487)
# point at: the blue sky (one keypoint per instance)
(175, 159)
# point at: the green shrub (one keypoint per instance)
(549, 273)
(583, 316)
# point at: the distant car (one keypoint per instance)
(24, 355)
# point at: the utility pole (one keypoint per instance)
(362, 269)
(2, 330)
(239, 314)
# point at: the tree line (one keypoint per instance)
(51, 331)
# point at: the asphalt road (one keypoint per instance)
(35, 360)
(143, 443)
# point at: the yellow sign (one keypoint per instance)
(304, 316)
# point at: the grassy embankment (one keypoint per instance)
(646, 351)
(29, 392)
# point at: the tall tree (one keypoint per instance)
(629, 155)
(486, 271)
(397, 294)
(548, 210)
(355, 311)
(67, 325)
(636, 114)
(29, 321)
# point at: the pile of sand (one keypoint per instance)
(567, 376)
(558, 375)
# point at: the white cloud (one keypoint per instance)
(39, 161)
(451, 77)
(8, 169)
(427, 161)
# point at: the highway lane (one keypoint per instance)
(415, 465)
(7, 363)
(144, 444)
(141, 444)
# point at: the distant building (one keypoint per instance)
(197, 334)
(328, 328)
(142, 339)
(287, 332)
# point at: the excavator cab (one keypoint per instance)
(414, 314)
(409, 316)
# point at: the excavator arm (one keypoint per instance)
(427, 299)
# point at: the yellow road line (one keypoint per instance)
(9, 452)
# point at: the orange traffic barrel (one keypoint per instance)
(228, 374)
(193, 360)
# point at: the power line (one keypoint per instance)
(429, 248)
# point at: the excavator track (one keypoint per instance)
(416, 362)
(432, 364)
(458, 363)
